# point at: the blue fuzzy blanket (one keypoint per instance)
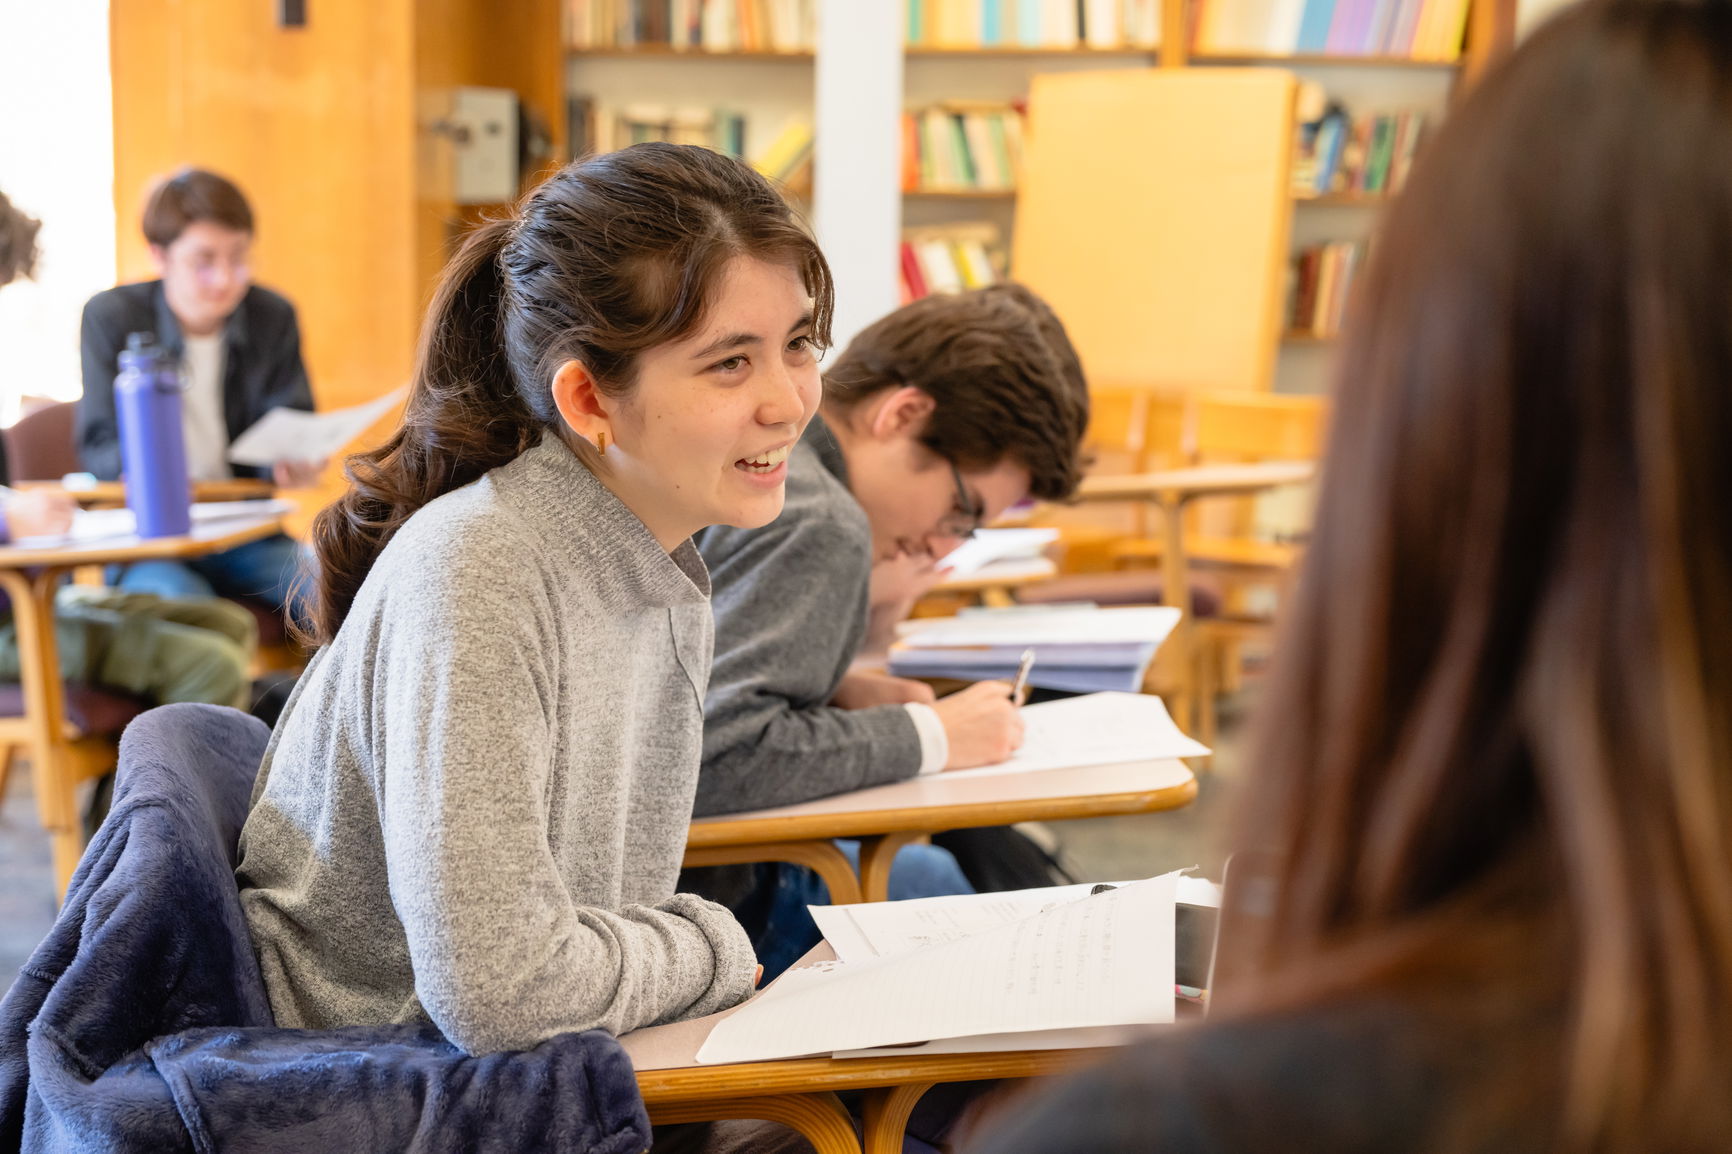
(141, 1023)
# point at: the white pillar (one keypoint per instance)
(857, 194)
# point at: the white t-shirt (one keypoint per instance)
(201, 410)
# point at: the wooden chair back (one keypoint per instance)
(1237, 426)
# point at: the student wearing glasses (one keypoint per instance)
(936, 419)
(239, 347)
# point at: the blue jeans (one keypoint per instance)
(264, 569)
(788, 931)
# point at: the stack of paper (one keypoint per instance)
(1077, 650)
(991, 546)
(1005, 972)
(90, 525)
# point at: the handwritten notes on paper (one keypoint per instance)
(1101, 961)
(1098, 729)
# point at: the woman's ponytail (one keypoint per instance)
(464, 416)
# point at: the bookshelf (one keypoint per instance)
(1367, 83)
(773, 85)
(736, 76)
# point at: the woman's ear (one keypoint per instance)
(581, 405)
(901, 412)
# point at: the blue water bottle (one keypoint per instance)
(152, 446)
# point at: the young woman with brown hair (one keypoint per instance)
(1494, 774)
(474, 807)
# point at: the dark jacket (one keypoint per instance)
(141, 1023)
(262, 364)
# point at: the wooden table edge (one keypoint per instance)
(1172, 486)
(936, 819)
(140, 549)
(813, 1075)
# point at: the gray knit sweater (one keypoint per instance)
(474, 807)
(790, 603)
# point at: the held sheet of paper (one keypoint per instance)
(1101, 961)
(292, 435)
(1095, 729)
(875, 929)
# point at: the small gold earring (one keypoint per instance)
(601, 443)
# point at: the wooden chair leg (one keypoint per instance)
(887, 1111)
(821, 857)
(1207, 682)
(877, 855)
(6, 759)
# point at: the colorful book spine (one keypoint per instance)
(1314, 27)
(992, 23)
(1028, 23)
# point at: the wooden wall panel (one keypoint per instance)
(1165, 253)
(326, 129)
(316, 126)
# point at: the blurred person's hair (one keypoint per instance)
(190, 196)
(1498, 736)
(17, 242)
(1000, 369)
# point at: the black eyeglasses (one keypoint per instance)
(963, 520)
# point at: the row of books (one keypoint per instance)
(596, 126)
(1416, 29)
(950, 258)
(1323, 277)
(1105, 24)
(693, 25)
(956, 146)
(1338, 153)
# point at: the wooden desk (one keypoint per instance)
(111, 494)
(60, 757)
(801, 1092)
(992, 584)
(887, 817)
(1170, 491)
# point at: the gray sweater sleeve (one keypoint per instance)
(790, 607)
(503, 957)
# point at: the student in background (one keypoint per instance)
(162, 650)
(1494, 773)
(240, 350)
(495, 749)
(935, 420)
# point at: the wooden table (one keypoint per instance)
(801, 1092)
(111, 494)
(887, 817)
(992, 584)
(60, 757)
(1171, 491)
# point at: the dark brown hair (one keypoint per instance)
(189, 196)
(1502, 708)
(609, 257)
(17, 242)
(1006, 381)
